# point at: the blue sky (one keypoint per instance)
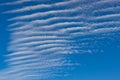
(90, 38)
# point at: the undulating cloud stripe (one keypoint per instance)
(18, 2)
(38, 14)
(42, 6)
(43, 34)
(52, 19)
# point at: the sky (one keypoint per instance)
(60, 39)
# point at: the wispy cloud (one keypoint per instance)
(42, 6)
(38, 14)
(40, 41)
(18, 2)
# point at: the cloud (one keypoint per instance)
(41, 6)
(40, 41)
(18, 2)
